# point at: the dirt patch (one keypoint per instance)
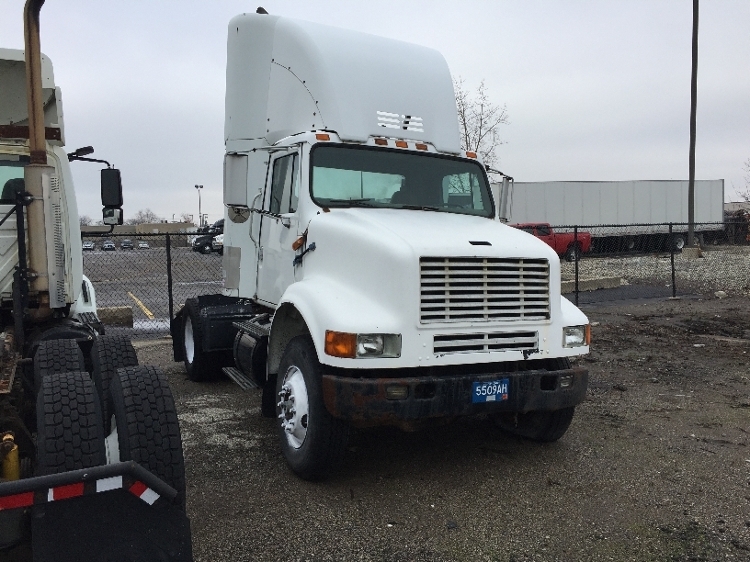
(655, 467)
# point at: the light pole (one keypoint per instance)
(200, 216)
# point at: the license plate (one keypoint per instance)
(492, 391)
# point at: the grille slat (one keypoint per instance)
(483, 289)
(485, 343)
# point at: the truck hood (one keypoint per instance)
(430, 233)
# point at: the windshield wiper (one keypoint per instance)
(366, 202)
(419, 208)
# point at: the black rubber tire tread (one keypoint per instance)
(147, 427)
(57, 356)
(542, 426)
(108, 354)
(323, 449)
(205, 365)
(573, 253)
(268, 398)
(69, 424)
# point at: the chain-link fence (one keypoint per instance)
(141, 280)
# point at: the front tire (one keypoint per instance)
(312, 441)
(198, 363)
(573, 253)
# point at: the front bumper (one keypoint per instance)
(363, 401)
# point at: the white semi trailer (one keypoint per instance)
(368, 280)
(626, 214)
(91, 463)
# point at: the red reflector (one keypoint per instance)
(17, 500)
(69, 491)
(138, 488)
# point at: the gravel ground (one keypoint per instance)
(655, 467)
(722, 268)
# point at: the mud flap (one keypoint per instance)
(175, 330)
(111, 526)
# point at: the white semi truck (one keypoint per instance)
(368, 279)
(91, 462)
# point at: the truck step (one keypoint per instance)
(245, 382)
(258, 326)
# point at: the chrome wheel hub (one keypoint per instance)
(293, 407)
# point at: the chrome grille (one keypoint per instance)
(483, 289)
(484, 343)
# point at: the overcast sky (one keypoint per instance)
(595, 90)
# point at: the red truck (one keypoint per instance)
(566, 244)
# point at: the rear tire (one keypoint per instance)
(56, 356)
(313, 442)
(69, 424)
(199, 365)
(677, 243)
(108, 354)
(148, 431)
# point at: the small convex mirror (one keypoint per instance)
(111, 188)
(111, 216)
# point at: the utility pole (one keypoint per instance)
(693, 104)
(200, 216)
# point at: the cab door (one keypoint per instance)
(278, 228)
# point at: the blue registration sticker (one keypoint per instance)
(493, 391)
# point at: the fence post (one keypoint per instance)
(671, 259)
(575, 257)
(169, 277)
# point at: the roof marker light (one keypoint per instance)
(323, 136)
(471, 154)
(381, 142)
(421, 146)
(402, 144)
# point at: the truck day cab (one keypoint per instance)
(91, 463)
(368, 280)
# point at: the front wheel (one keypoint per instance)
(312, 441)
(545, 427)
(573, 253)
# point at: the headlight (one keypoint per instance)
(343, 344)
(576, 336)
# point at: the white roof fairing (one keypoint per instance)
(286, 76)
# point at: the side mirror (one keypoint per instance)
(111, 188)
(111, 216)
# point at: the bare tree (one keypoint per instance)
(85, 220)
(187, 217)
(144, 216)
(479, 120)
(746, 194)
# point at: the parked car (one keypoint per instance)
(218, 244)
(204, 243)
(126, 245)
(89, 245)
(564, 243)
(143, 245)
(108, 245)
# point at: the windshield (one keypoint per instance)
(383, 178)
(11, 176)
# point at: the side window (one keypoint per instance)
(542, 230)
(284, 185)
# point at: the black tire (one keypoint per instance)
(56, 356)
(70, 435)
(542, 426)
(677, 243)
(206, 248)
(573, 253)
(200, 365)
(268, 398)
(108, 354)
(148, 431)
(320, 452)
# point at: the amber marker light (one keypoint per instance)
(381, 142)
(421, 146)
(323, 136)
(297, 244)
(588, 334)
(341, 344)
(402, 144)
(471, 154)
